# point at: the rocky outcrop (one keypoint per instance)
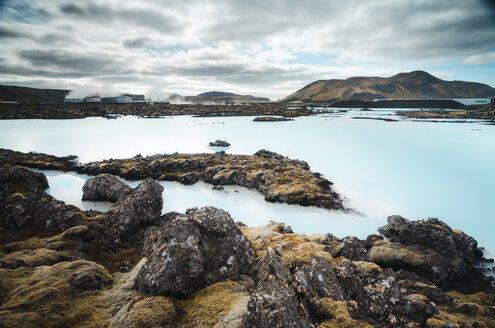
(138, 209)
(271, 119)
(105, 187)
(274, 304)
(191, 251)
(204, 270)
(278, 178)
(219, 143)
(428, 247)
(23, 202)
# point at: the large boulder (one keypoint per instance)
(275, 303)
(137, 209)
(429, 245)
(191, 251)
(105, 187)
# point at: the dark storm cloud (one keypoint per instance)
(64, 61)
(6, 33)
(153, 19)
(135, 42)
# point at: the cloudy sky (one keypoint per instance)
(261, 47)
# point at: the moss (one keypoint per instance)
(337, 310)
(113, 261)
(478, 307)
(205, 307)
(296, 249)
(46, 292)
(36, 257)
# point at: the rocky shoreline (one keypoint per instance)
(74, 111)
(487, 113)
(133, 267)
(277, 178)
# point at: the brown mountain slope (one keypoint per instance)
(416, 84)
(31, 95)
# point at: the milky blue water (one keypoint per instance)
(415, 169)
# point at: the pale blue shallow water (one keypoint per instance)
(415, 169)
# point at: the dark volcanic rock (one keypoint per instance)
(23, 202)
(191, 251)
(139, 208)
(219, 143)
(274, 304)
(314, 281)
(105, 187)
(432, 247)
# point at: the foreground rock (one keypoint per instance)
(105, 187)
(429, 247)
(139, 209)
(188, 252)
(278, 178)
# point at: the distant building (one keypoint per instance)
(92, 100)
(109, 100)
(73, 100)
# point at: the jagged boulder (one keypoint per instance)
(427, 247)
(275, 303)
(105, 187)
(139, 208)
(191, 251)
(315, 281)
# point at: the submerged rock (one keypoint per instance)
(191, 251)
(105, 187)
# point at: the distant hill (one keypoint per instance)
(416, 84)
(224, 97)
(31, 95)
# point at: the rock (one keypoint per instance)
(446, 254)
(315, 281)
(93, 276)
(219, 143)
(15, 179)
(145, 312)
(33, 258)
(191, 251)
(274, 304)
(419, 259)
(271, 119)
(139, 208)
(123, 290)
(420, 307)
(348, 247)
(105, 187)
(268, 154)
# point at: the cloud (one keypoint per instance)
(266, 48)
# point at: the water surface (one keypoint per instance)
(415, 169)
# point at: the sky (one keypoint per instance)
(268, 48)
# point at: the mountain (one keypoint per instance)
(224, 97)
(416, 84)
(31, 95)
